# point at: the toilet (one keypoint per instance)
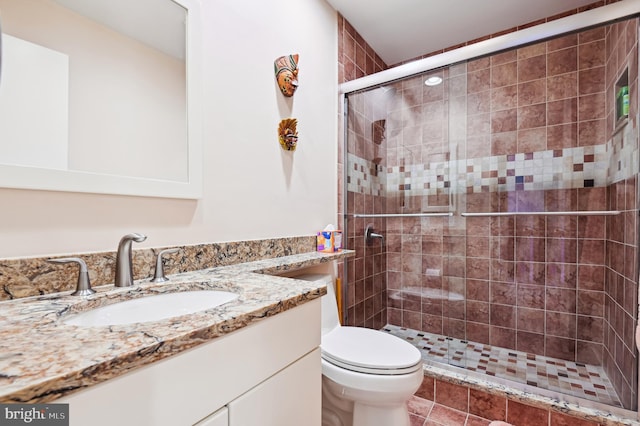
(368, 375)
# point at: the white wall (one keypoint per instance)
(253, 189)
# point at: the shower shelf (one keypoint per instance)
(445, 214)
(574, 213)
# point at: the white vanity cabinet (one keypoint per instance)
(268, 373)
(290, 398)
(219, 418)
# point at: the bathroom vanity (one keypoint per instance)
(254, 360)
(267, 373)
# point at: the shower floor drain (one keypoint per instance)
(572, 378)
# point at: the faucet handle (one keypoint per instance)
(159, 277)
(369, 235)
(83, 287)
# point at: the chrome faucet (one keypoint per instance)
(124, 262)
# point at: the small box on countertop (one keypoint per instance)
(329, 241)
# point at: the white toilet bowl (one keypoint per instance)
(368, 375)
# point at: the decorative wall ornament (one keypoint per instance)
(288, 134)
(286, 69)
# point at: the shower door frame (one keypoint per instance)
(595, 17)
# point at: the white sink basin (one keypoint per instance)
(152, 308)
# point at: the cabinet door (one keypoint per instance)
(219, 418)
(292, 397)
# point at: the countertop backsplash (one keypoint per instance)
(24, 277)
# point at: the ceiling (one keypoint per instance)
(399, 30)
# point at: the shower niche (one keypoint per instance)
(621, 100)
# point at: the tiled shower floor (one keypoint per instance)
(576, 379)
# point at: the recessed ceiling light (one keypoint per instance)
(434, 80)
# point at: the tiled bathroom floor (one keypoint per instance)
(423, 412)
(576, 379)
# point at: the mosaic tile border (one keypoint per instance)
(579, 167)
(365, 177)
(623, 158)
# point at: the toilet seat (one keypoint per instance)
(369, 351)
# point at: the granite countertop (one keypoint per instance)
(42, 358)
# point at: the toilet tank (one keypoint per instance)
(330, 318)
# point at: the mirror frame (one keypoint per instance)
(22, 177)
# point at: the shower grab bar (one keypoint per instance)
(574, 213)
(449, 214)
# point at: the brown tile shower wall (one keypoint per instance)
(356, 59)
(621, 273)
(524, 288)
(367, 289)
(563, 287)
(526, 283)
(533, 284)
(621, 291)
(560, 286)
(367, 270)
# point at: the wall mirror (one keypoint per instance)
(101, 96)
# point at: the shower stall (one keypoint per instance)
(493, 207)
